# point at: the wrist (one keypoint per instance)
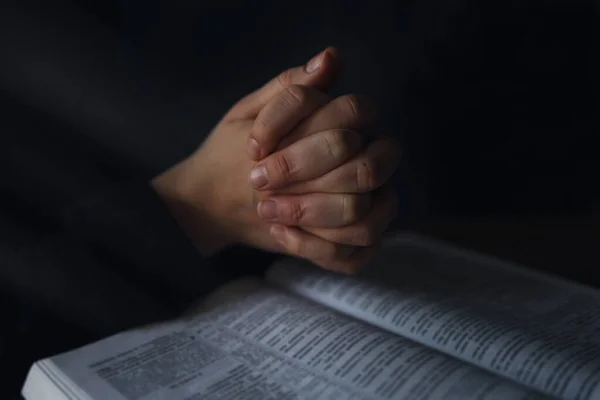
(191, 208)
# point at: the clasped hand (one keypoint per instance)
(290, 170)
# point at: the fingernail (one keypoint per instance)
(253, 149)
(278, 233)
(258, 177)
(268, 209)
(314, 63)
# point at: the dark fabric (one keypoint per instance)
(83, 254)
(126, 265)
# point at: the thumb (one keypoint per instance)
(319, 72)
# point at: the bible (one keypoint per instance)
(424, 320)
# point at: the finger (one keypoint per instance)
(369, 230)
(365, 172)
(345, 112)
(319, 72)
(328, 255)
(316, 210)
(306, 159)
(287, 108)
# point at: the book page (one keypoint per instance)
(253, 341)
(532, 329)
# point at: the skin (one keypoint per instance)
(288, 170)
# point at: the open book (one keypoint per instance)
(424, 321)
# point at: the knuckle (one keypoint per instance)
(352, 208)
(335, 143)
(351, 106)
(295, 213)
(285, 78)
(295, 95)
(366, 179)
(284, 166)
(261, 124)
(365, 237)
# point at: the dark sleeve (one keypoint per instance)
(117, 259)
(133, 224)
(130, 224)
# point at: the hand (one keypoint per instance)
(324, 187)
(210, 194)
